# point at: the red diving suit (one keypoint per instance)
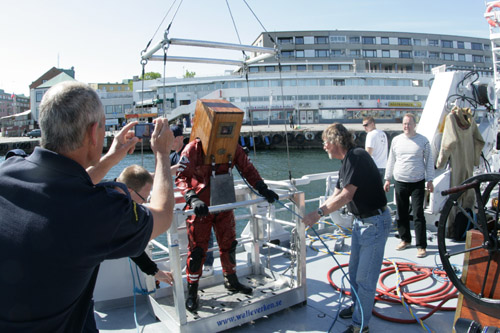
(194, 175)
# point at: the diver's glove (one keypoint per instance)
(270, 195)
(200, 208)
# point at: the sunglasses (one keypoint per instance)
(140, 196)
(364, 125)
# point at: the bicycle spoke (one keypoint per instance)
(485, 276)
(449, 254)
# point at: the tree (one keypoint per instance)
(147, 76)
(151, 76)
(189, 74)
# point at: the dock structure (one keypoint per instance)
(302, 136)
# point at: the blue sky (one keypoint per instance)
(103, 39)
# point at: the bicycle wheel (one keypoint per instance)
(488, 252)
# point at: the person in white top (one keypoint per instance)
(412, 165)
(376, 144)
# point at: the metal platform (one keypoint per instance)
(220, 309)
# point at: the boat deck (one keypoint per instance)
(320, 310)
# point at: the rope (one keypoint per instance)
(394, 295)
(136, 291)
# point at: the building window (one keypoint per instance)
(461, 57)
(338, 82)
(286, 68)
(287, 54)
(317, 67)
(420, 54)
(448, 56)
(460, 45)
(405, 54)
(321, 40)
(253, 69)
(301, 67)
(477, 58)
(404, 41)
(321, 53)
(269, 69)
(337, 39)
(299, 53)
(417, 42)
(386, 54)
(337, 53)
(354, 40)
(285, 40)
(434, 55)
(447, 43)
(433, 42)
(111, 88)
(384, 40)
(486, 47)
(333, 67)
(370, 53)
(109, 109)
(354, 53)
(476, 46)
(39, 95)
(368, 40)
(299, 40)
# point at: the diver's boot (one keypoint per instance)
(232, 284)
(192, 298)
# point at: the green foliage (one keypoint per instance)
(189, 74)
(151, 76)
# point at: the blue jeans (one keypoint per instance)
(367, 253)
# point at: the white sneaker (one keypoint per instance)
(207, 271)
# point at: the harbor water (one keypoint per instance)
(271, 164)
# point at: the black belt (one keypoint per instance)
(372, 213)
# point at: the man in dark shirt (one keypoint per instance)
(360, 188)
(57, 226)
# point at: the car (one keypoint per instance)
(36, 133)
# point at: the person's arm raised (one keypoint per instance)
(122, 144)
(162, 194)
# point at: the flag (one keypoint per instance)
(13, 96)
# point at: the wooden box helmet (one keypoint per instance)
(217, 123)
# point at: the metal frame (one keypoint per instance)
(272, 291)
(266, 52)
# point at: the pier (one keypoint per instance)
(303, 136)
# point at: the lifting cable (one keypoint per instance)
(245, 70)
(278, 57)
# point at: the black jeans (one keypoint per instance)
(417, 193)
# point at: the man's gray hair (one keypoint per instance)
(336, 133)
(66, 111)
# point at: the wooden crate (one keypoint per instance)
(217, 123)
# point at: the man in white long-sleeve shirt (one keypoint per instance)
(411, 164)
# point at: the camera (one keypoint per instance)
(144, 130)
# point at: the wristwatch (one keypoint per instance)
(320, 212)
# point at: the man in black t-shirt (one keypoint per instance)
(360, 188)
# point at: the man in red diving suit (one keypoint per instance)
(193, 179)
